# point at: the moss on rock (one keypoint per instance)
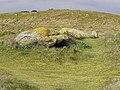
(51, 40)
(42, 31)
(45, 31)
(71, 32)
(47, 37)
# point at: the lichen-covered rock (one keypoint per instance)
(44, 31)
(94, 34)
(22, 35)
(26, 38)
(47, 37)
(77, 33)
(51, 40)
(72, 32)
(39, 36)
(65, 30)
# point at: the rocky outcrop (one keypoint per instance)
(26, 38)
(39, 36)
(47, 37)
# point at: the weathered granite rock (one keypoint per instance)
(47, 37)
(26, 38)
(77, 33)
(51, 40)
(39, 36)
(94, 34)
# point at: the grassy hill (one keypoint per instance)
(91, 65)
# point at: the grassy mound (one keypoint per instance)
(88, 64)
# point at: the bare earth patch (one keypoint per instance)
(2, 79)
(115, 85)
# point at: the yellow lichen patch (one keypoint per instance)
(25, 41)
(48, 39)
(60, 37)
(51, 40)
(45, 31)
(70, 31)
(77, 36)
(67, 30)
(45, 39)
(64, 30)
(65, 37)
(52, 32)
(42, 31)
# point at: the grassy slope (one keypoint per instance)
(78, 68)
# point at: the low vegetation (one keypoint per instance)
(88, 64)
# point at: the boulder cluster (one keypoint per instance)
(47, 37)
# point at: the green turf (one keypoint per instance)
(90, 65)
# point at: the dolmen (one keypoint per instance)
(46, 37)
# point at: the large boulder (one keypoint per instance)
(26, 38)
(52, 40)
(77, 33)
(44, 31)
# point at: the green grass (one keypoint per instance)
(89, 65)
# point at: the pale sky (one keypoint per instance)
(109, 6)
